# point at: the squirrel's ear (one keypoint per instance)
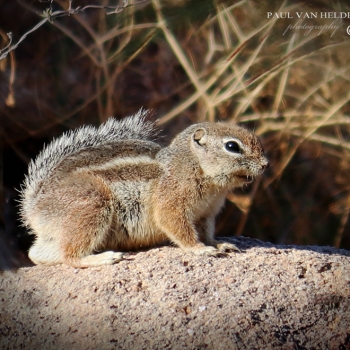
(200, 136)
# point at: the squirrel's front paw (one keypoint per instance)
(226, 247)
(205, 250)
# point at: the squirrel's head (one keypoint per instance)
(232, 156)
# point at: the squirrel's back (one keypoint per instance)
(82, 139)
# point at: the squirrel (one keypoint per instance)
(95, 193)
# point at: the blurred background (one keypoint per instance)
(250, 62)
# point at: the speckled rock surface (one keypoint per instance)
(267, 297)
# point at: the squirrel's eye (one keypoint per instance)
(233, 147)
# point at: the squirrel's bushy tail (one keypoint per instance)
(132, 128)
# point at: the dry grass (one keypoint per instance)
(195, 60)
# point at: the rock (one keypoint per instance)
(267, 297)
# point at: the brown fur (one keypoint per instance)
(129, 194)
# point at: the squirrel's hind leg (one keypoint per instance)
(45, 253)
(72, 221)
(105, 258)
(88, 222)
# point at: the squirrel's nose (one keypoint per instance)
(266, 166)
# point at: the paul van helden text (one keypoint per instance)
(332, 15)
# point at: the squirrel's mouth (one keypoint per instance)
(245, 178)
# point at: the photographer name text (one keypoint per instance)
(332, 15)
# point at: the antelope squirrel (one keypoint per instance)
(94, 193)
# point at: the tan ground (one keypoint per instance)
(267, 297)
